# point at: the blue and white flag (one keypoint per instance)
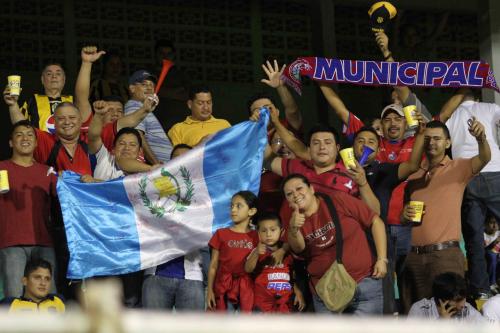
(143, 220)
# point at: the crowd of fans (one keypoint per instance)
(284, 240)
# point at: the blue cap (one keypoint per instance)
(141, 76)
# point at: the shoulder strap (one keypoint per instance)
(51, 160)
(336, 221)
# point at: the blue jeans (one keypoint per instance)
(367, 300)
(492, 259)
(160, 292)
(12, 262)
(482, 194)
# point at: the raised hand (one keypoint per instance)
(8, 98)
(90, 54)
(273, 74)
(382, 42)
(476, 129)
(100, 107)
(151, 103)
(298, 219)
(357, 174)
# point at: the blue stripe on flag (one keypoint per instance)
(100, 227)
(222, 151)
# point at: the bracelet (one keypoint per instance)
(383, 259)
(388, 56)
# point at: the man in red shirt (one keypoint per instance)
(24, 210)
(311, 233)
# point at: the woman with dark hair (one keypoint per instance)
(110, 83)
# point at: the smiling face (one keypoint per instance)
(201, 106)
(37, 284)
(323, 149)
(393, 126)
(300, 194)
(436, 142)
(127, 146)
(269, 232)
(53, 78)
(23, 141)
(67, 122)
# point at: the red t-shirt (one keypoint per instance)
(25, 209)
(273, 286)
(234, 247)
(270, 196)
(319, 235)
(108, 135)
(79, 163)
(335, 179)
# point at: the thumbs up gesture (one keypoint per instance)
(298, 218)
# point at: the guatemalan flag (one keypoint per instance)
(143, 220)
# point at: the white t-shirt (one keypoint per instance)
(106, 167)
(463, 144)
(488, 239)
(491, 309)
(427, 308)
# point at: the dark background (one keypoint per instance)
(223, 43)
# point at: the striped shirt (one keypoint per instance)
(153, 131)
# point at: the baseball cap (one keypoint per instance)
(140, 76)
(392, 107)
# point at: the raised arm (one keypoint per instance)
(476, 129)
(14, 111)
(133, 119)
(292, 112)
(89, 55)
(383, 45)
(452, 104)
(96, 125)
(295, 237)
(335, 102)
(413, 164)
(365, 191)
(294, 144)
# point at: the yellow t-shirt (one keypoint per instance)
(191, 132)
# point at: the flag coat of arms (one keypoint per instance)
(143, 220)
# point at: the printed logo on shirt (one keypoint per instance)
(279, 286)
(321, 232)
(392, 156)
(50, 123)
(349, 185)
(278, 276)
(240, 244)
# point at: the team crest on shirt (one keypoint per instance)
(392, 156)
(173, 192)
(50, 123)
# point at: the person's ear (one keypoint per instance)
(190, 104)
(252, 211)
(448, 143)
(24, 281)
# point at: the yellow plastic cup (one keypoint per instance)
(14, 84)
(419, 209)
(348, 158)
(4, 181)
(409, 112)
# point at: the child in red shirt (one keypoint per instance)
(273, 285)
(227, 279)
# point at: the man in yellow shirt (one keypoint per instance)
(36, 297)
(200, 123)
